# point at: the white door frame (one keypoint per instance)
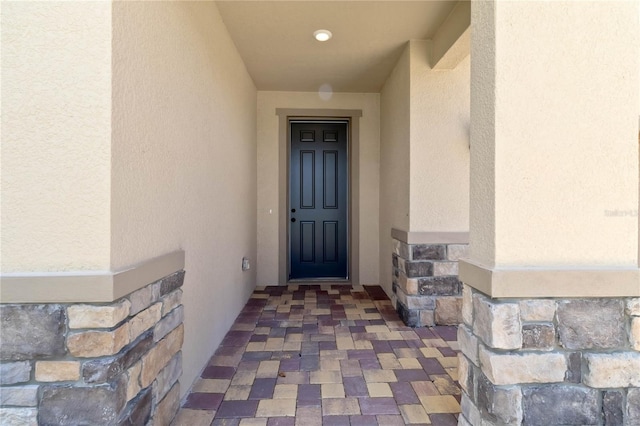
(286, 115)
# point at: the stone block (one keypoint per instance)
(591, 323)
(574, 370)
(468, 343)
(497, 324)
(612, 370)
(60, 405)
(19, 416)
(167, 377)
(428, 252)
(633, 307)
(143, 298)
(538, 336)
(448, 310)
(394, 283)
(401, 249)
(57, 371)
(456, 252)
(171, 283)
(517, 368)
(15, 372)
(133, 381)
(470, 411)
(144, 320)
(19, 396)
(410, 317)
(168, 323)
(467, 305)
(445, 268)
(138, 411)
(92, 316)
(89, 344)
(465, 375)
(501, 405)
(401, 296)
(439, 286)
(427, 318)
(633, 407)
(537, 310)
(171, 301)
(158, 357)
(634, 333)
(561, 405)
(416, 302)
(415, 269)
(106, 369)
(408, 285)
(421, 302)
(462, 421)
(31, 331)
(167, 409)
(613, 407)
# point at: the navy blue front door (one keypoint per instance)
(318, 200)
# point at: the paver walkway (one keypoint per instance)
(326, 355)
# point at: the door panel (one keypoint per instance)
(318, 200)
(330, 241)
(307, 180)
(307, 242)
(330, 187)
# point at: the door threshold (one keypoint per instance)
(316, 281)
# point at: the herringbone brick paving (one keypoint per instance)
(326, 355)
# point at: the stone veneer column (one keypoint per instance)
(94, 364)
(568, 361)
(551, 301)
(425, 282)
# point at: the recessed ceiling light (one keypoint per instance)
(322, 35)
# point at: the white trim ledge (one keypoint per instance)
(536, 283)
(89, 286)
(430, 237)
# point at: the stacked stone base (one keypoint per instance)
(94, 364)
(425, 283)
(549, 361)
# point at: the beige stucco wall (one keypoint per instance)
(184, 158)
(56, 133)
(439, 147)
(424, 150)
(268, 172)
(555, 136)
(394, 161)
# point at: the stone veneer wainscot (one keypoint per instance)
(97, 364)
(549, 361)
(425, 283)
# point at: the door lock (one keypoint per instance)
(293, 219)
(293, 210)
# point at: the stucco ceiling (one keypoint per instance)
(275, 40)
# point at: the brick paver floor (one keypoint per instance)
(326, 355)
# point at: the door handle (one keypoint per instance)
(293, 219)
